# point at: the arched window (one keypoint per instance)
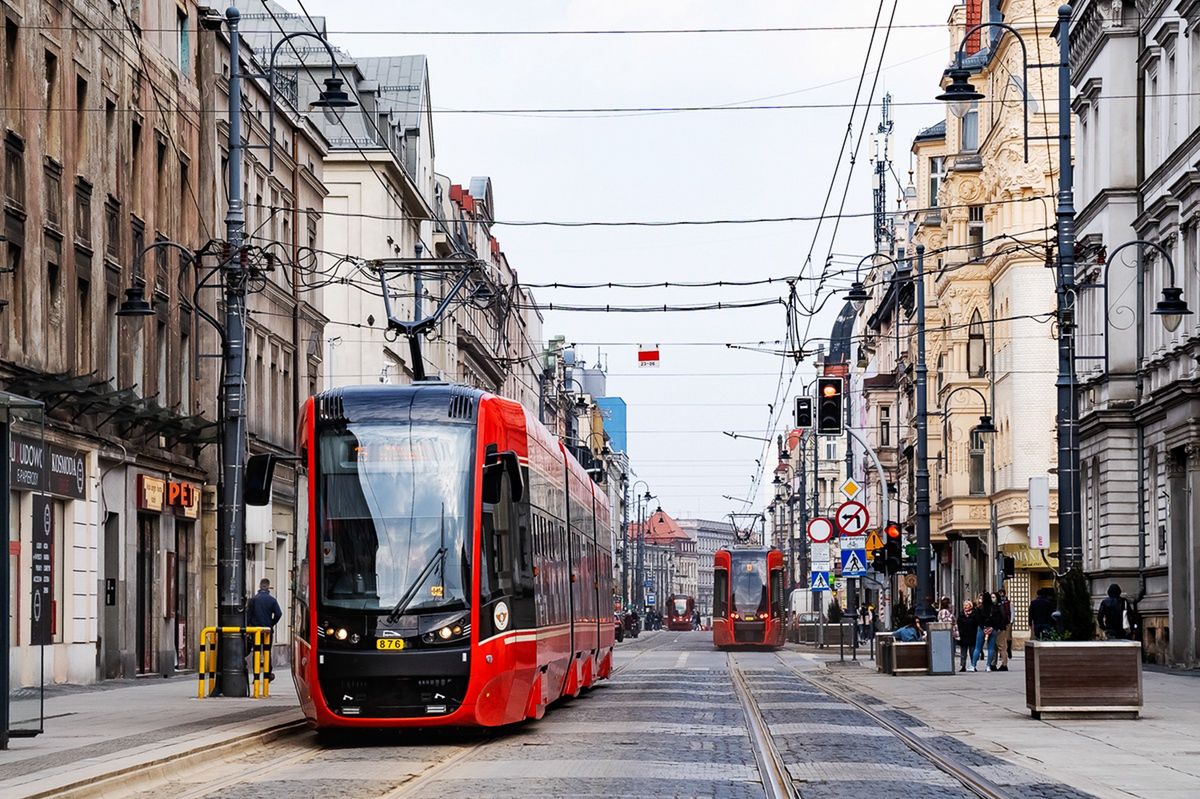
(976, 347)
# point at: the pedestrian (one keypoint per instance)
(870, 623)
(964, 633)
(1040, 609)
(1003, 631)
(1116, 615)
(985, 621)
(263, 611)
(695, 620)
(945, 615)
(910, 632)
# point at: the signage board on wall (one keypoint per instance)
(41, 609)
(36, 465)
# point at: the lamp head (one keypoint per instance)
(858, 293)
(135, 303)
(960, 93)
(333, 100)
(985, 426)
(1172, 308)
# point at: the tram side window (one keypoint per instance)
(777, 593)
(720, 593)
(300, 572)
(497, 519)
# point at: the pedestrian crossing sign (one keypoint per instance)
(820, 581)
(854, 563)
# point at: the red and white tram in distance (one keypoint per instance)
(748, 598)
(681, 610)
(454, 566)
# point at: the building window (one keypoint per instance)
(112, 229)
(185, 41)
(976, 463)
(83, 213)
(975, 232)
(976, 347)
(53, 194)
(113, 343)
(83, 335)
(969, 129)
(14, 170)
(885, 425)
(53, 113)
(831, 450)
(10, 63)
(937, 173)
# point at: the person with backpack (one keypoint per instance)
(1116, 615)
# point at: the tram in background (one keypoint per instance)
(681, 610)
(453, 567)
(748, 598)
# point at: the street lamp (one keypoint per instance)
(1170, 309)
(1067, 416)
(960, 94)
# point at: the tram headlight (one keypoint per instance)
(342, 634)
(450, 630)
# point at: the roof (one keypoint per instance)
(935, 131)
(402, 80)
(842, 333)
(661, 529)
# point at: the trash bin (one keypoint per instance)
(883, 652)
(941, 648)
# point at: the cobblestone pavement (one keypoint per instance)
(669, 724)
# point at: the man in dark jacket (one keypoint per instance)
(1116, 615)
(1040, 609)
(263, 611)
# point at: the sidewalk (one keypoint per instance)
(114, 727)
(1155, 757)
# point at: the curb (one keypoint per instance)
(123, 780)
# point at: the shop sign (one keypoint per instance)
(41, 610)
(36, 465)
(156, 495)
(184, 498)
(151, 491)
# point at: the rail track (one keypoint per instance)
(969, 778)
(776, 780)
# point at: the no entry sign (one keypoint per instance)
(820, 530)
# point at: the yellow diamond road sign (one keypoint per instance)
(850, 489)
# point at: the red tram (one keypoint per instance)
(453, 567)
(680, 612)
(748, 598)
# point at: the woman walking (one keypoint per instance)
(945, 615)
(964, 633)
(985, 619)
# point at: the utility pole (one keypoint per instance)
(922, 609)
(231, 490)
(1069, 531)
(882, 158)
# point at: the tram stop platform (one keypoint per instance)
(103, 731)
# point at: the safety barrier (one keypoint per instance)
(206, 672)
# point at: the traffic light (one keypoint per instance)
(879, 560)
(830, 413)
(892, 549)
(804, 413)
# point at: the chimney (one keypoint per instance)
(974, 17)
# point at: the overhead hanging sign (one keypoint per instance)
(648, 356)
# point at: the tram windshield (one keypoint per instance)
(391, 497)
(680, 606)
(748, 581)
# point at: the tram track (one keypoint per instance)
(776, 780)
(969, 778)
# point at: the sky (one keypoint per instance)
(683, 165)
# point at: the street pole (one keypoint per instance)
(624, 549)
(231, 499)
(1069, 532)
(922, 609)
(640, 585)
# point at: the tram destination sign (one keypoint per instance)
(36, 465)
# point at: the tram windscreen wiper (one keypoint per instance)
(438, 557)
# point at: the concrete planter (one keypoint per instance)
(1069, 678)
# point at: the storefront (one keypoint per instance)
(163, 586)
(52, 571)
